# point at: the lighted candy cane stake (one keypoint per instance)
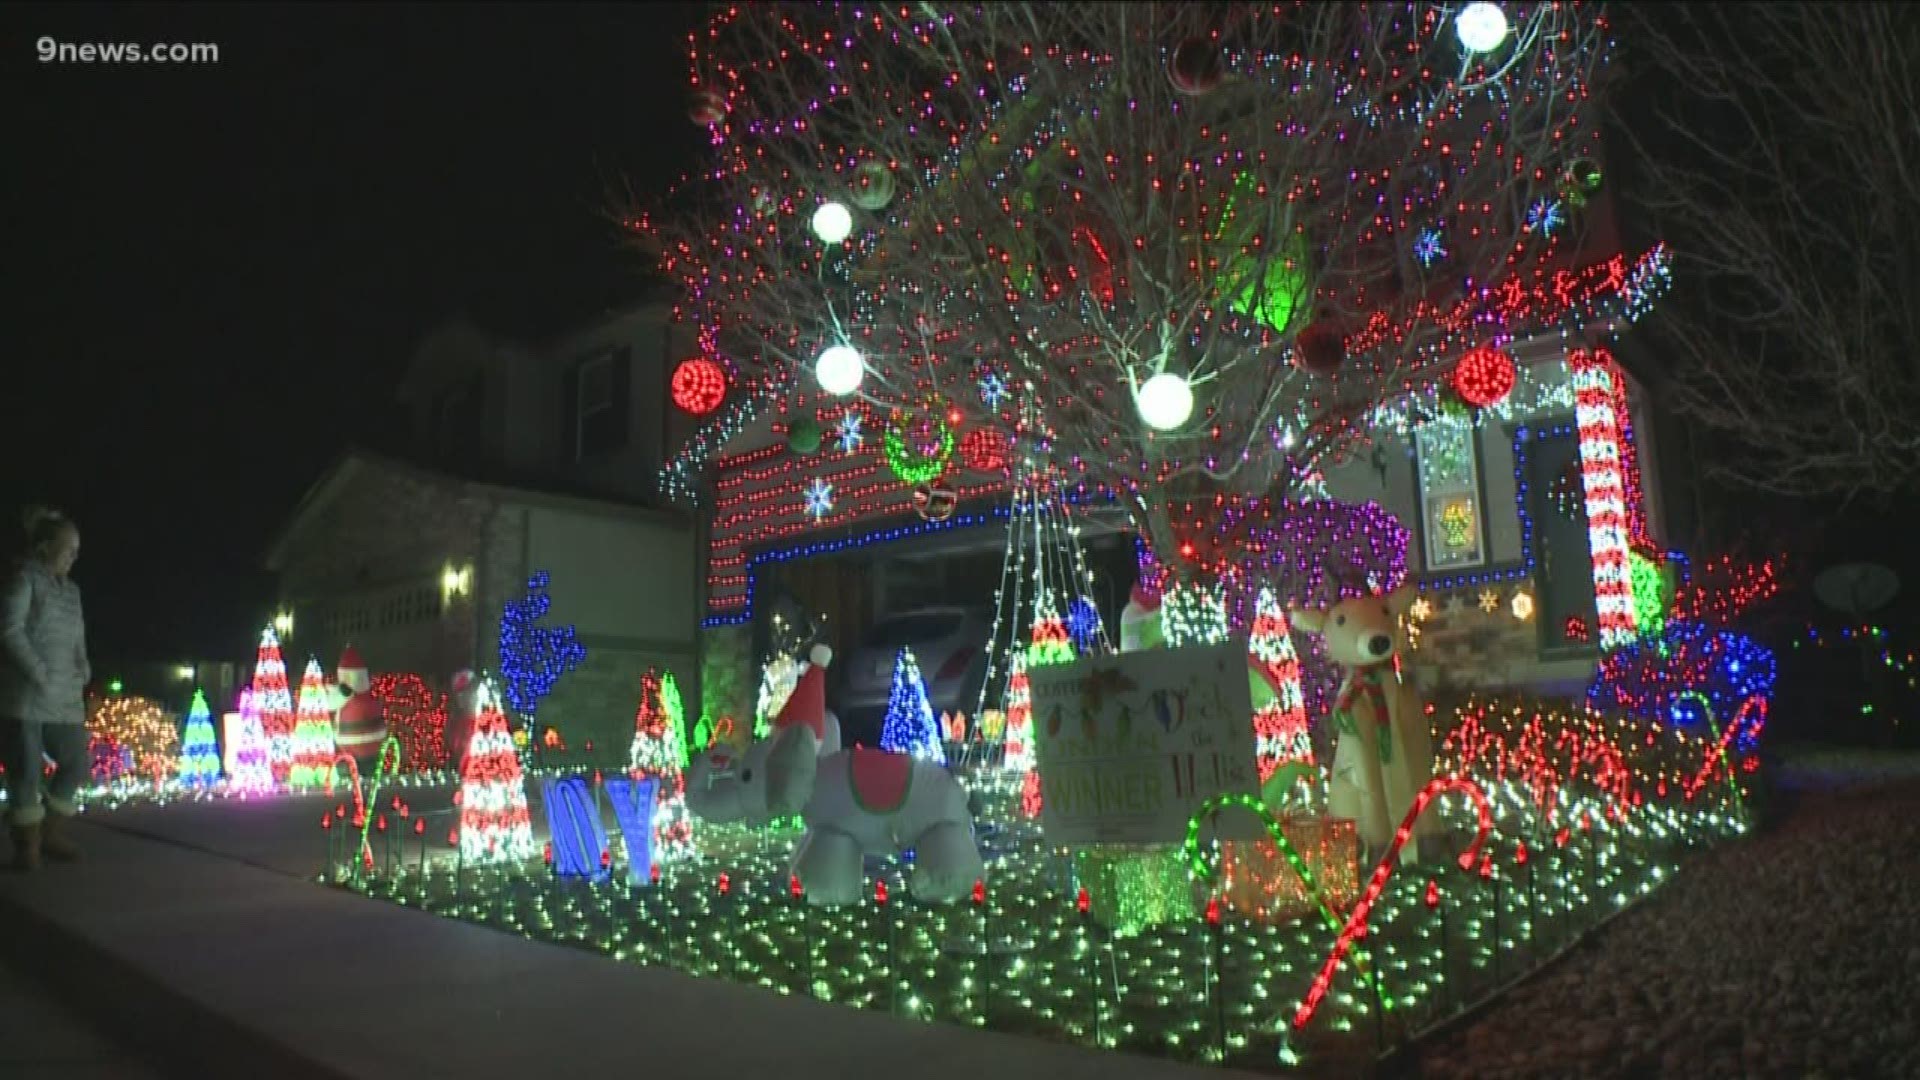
(359, 804)
(1357, 924)
(1721, 740)
(389, 763)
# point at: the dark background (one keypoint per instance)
(219, 270)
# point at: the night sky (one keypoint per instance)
(220, 270)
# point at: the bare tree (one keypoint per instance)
(1785, 170)
(1273, 202)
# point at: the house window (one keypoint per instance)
(1451, 508)
(457, 427)
(599, 405)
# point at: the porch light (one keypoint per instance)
(455, 581)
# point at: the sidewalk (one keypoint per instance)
(40, 1040)
(222, 966)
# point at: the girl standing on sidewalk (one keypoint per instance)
(43, 678)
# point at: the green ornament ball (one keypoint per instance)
(803, 436)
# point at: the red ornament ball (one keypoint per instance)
(984, 450)
(706, 107)
(1319, 350)
(699, 385)
(1484, 376)
(1196, 66)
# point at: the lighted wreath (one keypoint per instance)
(918, 444)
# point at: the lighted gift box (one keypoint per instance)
(1134, 886)
(1259, 882)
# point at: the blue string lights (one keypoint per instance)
(532, 658)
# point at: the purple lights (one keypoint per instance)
(1310, 551)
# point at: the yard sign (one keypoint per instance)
(1130, 746)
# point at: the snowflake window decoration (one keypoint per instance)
(993, 388)
(848, 435)
(1429, 248)
(819, 495)
(1545, 217)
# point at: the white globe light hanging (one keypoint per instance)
(1482, 27)
(833, 222)
(840, 370)
(1165, 401)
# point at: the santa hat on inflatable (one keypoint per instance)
(352, 674)
(807, 705)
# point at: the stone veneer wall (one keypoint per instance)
(1460, 646)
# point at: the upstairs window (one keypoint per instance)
(598, 405)
(1452, 522)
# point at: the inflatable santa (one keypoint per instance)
(362, 719)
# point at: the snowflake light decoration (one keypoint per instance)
(1545, 217)
(848, 434)
(1429, 248)
(1489, 601)
(819, 496)
(993, 388)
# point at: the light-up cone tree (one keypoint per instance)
(199, 746)
(494, 823)
(313, 732)
(659, 750)
(273, 702)
(252, 771)
(1050, 642)
(909, 726)
(1192, 247)
(1280, 707)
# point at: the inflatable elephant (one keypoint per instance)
(855, 802)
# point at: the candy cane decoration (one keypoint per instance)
(1205, 872)
(388, 763)
(1357, 924)
(1721, 740)
(359, 802)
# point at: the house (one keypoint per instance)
(525, 459)
(1524, 515)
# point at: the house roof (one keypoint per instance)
(357, 462)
